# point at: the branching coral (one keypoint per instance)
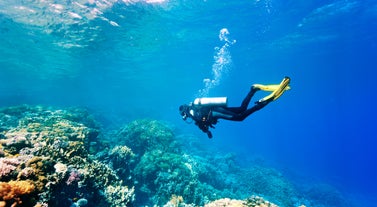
(176, 201)
(7, 165)
(118, 195)
(253, 201)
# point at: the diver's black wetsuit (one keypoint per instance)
(207, 116)
(239, 113)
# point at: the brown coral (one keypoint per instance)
(256, 201)
(12, 191)
(226, 202)
(253, 201)
(176, 200)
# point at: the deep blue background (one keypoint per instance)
(323, 129)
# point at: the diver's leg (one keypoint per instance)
(240, 113)
(225, 113)
(258, 105)
(245, 101)
(222, 113)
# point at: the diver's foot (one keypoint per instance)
(278, 90)
(255, 87)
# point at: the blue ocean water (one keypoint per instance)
(142, 59)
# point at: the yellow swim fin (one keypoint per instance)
(278, 89)
(272, 87)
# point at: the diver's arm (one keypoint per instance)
(209, 134)
(205, 128)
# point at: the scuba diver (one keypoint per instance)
(206, 111)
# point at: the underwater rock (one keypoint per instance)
(79, 203)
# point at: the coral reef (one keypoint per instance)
(46, 160)
(62, 157)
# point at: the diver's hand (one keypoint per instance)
(209, 134)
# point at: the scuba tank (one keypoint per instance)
(214, 101)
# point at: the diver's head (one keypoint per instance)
(184, 111)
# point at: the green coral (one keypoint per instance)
(156, 161)
(326, 195)
(268, 182)
(146, 135)
(121, 160)
(121, 156)
(171, 174)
